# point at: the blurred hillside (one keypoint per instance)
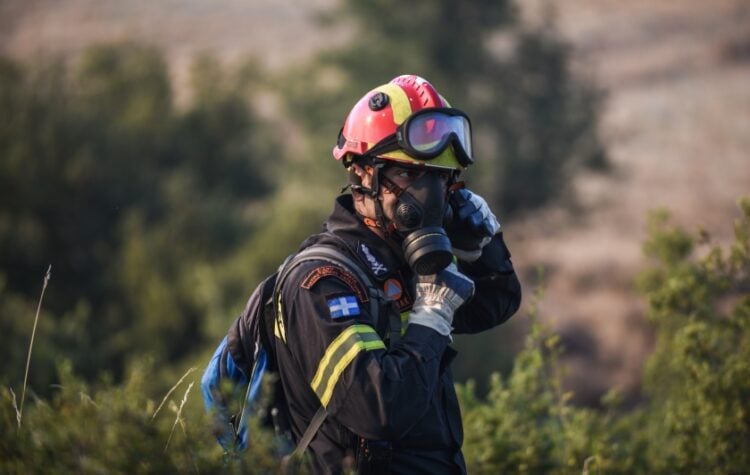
(677, 129)
(676, 126)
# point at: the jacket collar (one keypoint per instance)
(380, 258)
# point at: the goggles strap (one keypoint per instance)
(388, 144)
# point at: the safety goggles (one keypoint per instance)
(428, 132)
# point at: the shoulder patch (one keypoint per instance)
(395, 290)
(344, 306)
(336, 272)
(376, 265)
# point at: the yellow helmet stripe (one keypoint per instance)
(399, 102)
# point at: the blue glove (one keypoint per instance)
(438, 296)
(473, 225)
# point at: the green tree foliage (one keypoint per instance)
(132, 200)
(534, 120)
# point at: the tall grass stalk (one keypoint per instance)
(19, 414)
(171, 391)
(178, 419)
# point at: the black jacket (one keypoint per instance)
(381, 387)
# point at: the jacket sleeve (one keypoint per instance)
(330, 337)
(497, 294)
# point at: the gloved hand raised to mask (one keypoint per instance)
(472, 226)
(438, 296)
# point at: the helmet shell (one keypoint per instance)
(374, 117)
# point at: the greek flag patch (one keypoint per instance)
(344, 306)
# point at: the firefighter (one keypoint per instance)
(380, 368)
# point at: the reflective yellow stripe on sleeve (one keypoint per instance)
(339, 354)
(404, 321)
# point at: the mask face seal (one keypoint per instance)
(418, 217)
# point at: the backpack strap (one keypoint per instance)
(288, 462)
(333, 255)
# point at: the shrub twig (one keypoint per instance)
(19, 413)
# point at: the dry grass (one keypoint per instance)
(178, 417)
(171, 390)
(19, 411)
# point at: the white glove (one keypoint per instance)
(473, 227)
(438, 296)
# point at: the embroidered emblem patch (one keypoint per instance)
(378, 268)
(344, 306)
(337, 272)
(393, 289)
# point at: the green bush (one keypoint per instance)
(699, 375)
(106, 428)
(528, 425)
(694, 417)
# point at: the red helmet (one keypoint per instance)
(406, 121)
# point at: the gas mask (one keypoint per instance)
(419, 216)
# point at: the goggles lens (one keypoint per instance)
(430, 132)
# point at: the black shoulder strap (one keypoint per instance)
(304, 441)
(335, 256)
